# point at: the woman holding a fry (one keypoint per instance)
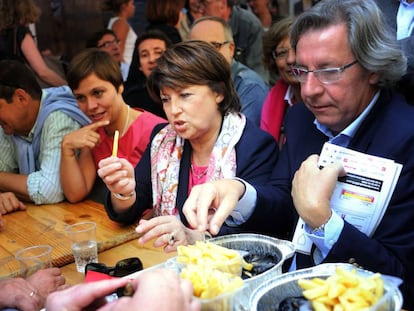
(206, 139)
(96, 82)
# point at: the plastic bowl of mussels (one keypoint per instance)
(284, 293)
(265, 253)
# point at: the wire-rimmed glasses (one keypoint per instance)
(325, 75)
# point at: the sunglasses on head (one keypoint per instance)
(122, 267)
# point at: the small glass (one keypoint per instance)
(34, 258)
(83, 243)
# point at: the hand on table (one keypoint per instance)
(209, 204)
(168, 232)
(312, 189)
(46, 281)
(158, 290)
(10, 203)
(30, 294)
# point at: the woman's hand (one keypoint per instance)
(168, 232)
(118, 175)
(85, 137)
(209, 204)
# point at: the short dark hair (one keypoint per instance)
(194, 63)
(94, 39)
(16, 75)
(163, 11)
(95, 61)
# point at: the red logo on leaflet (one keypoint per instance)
(383, 168)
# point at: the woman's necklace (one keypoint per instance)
(199, 175)
(126, 123)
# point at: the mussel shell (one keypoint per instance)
(261, 263)
(294, 304)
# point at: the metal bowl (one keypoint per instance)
(257, 244)
(269, 294)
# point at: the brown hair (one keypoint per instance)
(276, 33)
(18, 12)
(164, 11)
(95, 61)
(194, 63)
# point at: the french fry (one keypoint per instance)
(343, 291)
(115, 145)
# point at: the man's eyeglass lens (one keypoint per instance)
(107, 44)
(325, 76)
(122, 267)
(218, 45)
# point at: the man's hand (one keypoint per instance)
(312, 189)
(10, 203)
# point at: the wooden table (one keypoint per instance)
(45, 224)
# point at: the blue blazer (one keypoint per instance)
(256, 155)
(388, 131)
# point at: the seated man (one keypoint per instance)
(250, 87)
(33, 122)
(106, 40)
(347, 61)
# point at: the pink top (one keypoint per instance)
(132, 144)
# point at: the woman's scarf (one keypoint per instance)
(166, 153)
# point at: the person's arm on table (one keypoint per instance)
(30, 294)
(78, 173)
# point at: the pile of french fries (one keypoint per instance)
(214, 272)
(345, 290)
(209, 283)
(212, 255)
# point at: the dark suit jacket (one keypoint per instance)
(256, 155)
(388, 131)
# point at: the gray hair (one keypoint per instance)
(372, 42)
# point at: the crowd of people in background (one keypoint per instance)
(222, 107)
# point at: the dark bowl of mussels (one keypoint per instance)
(265, 253)
(283, 293)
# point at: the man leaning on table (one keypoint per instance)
(347, 62)
(33, 122)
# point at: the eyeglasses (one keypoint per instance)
(122, 267)
(107, 44)
(325, 76)
(279, 54)
(218, 45)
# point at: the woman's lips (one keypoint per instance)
(97, 116)
(179, 126)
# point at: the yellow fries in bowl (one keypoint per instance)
(345, 290)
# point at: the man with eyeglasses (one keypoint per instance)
(250, 87)
(247, 32)
(106, 40)
(347, 61)
(33, 122)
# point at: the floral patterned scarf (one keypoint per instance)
(166, 152)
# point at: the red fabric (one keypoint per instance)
(133, 143)
(93, 276)
(274, 109)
